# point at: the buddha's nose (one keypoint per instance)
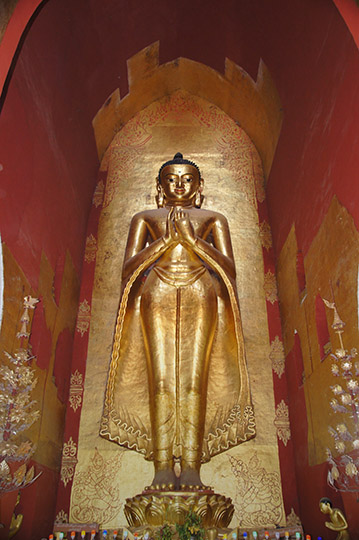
(180, 182)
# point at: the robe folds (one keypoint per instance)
(229, 417)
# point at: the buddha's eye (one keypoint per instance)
(171, 179)
(188, 179)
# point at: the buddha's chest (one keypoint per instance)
(202, 224)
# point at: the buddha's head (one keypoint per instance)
(179, 183)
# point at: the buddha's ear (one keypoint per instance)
(199, 197)
(159, 197)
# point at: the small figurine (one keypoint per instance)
(277, 535)
(337, 521)
(93, 534)
(83, 534)
(255, 535)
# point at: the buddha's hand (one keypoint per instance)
(184, 226)
(170, 236)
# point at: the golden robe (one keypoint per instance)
(229, 418)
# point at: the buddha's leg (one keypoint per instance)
(158, 319)
(198, 320)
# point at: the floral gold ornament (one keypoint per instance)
(90, 249)
(83, 317)
(69, 461)
(17, 411)
(281, 422)
(270, 287)
(343, 468)
(292, 519)
(76, 390)
(98, 194)
(265, 234)
(277, 357)
(62, 517)
(29, 303)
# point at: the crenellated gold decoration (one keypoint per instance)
(159, 508)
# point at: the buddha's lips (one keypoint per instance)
(180, 191)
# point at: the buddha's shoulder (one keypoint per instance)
(149, 214)
(215, 216)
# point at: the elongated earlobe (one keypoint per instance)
(159, 197)
(199, 197)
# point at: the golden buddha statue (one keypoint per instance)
(178, 388)
(337, 521)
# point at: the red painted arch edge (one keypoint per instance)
(19, 19)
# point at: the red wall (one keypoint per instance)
(48, 171)
(74, 56)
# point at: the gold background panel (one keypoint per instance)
(227, 159)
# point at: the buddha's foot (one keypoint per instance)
(191, 481)
(164, 480)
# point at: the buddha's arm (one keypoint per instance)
(136, 251)
(221, 252)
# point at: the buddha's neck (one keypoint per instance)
(184, 204)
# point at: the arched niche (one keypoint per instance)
(254, 105)
(234, 185)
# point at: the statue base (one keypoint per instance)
(155, 508)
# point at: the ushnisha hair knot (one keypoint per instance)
(178, 160)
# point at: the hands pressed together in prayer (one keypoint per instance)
(179, 228)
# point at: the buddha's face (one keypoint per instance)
(180, 184)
